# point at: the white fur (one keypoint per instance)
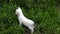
(23, 20)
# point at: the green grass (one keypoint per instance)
(43, 12)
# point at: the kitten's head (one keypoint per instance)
(18, 11)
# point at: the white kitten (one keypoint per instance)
(25, 21)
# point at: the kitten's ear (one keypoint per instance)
(18, 7)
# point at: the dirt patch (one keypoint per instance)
(27, 33)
